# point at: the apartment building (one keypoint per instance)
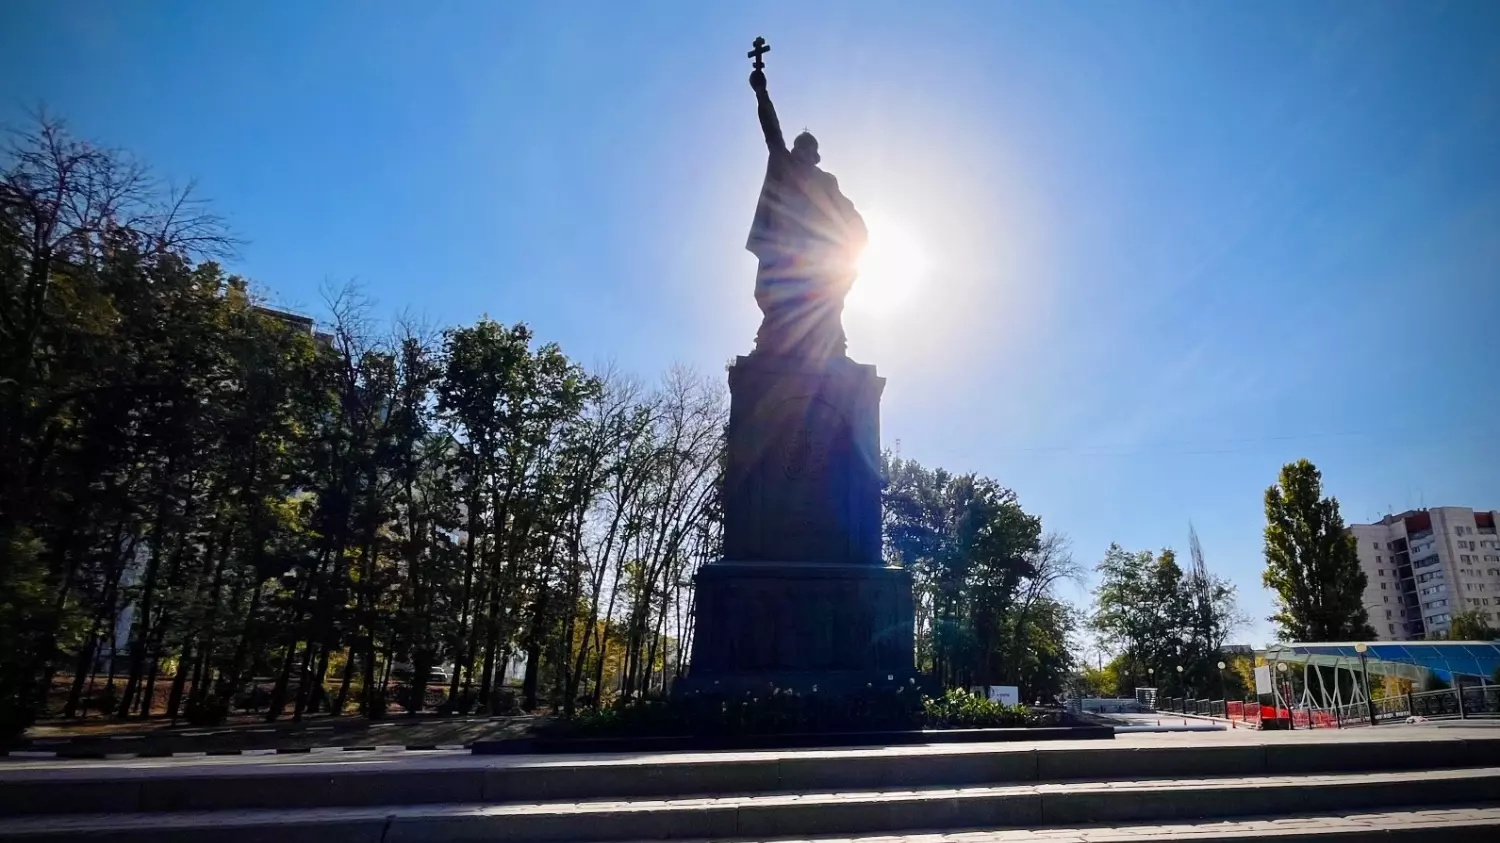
(1427, 565)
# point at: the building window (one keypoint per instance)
(1377, 545)
(1382, 586)
(1387, 614)
(1382, 572)
(1392, 628)
(1386, 599)
(1378, 560)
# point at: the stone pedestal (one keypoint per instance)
(801, 597)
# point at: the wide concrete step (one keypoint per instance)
(768, 816)
(1452, 825)
(374, 780)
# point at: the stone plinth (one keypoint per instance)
(802, 482)
(796, 625)
(801, 597)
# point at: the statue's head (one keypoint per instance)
(805, 149)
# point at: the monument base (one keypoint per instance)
(800, 626)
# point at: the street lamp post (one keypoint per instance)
(1223, 688)
(1285, 685)
(1364, 672)
(1181, 685)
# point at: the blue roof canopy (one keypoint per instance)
(1398, 658)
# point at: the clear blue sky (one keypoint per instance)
(1169, 246)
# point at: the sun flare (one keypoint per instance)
(892, 269)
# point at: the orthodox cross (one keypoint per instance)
(761, 48)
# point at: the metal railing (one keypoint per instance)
(1472, 702)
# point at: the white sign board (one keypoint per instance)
(1263, 679)
(1005, 694)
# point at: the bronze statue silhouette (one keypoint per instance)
(807, 237)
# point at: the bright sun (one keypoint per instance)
(892, 268)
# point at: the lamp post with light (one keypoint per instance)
(1364, 673)
(1223, 688)
(1284, 686)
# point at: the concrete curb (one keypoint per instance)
(91, 754)
(810, 740)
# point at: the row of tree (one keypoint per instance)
(254, 507)
(245, 502)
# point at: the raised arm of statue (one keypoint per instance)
(775, 142)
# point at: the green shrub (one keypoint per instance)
(959, 709)
(779, 712)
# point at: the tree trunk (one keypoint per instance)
(81, 667)
(156, 650)
(229, 680)
(305, 680)
(343, 698)
(174, 699)
(283, 679)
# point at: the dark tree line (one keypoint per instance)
(244, 502)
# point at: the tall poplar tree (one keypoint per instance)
(1311, 561)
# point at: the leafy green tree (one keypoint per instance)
(1312, 566)
(983, 577)
(1471, 626)
(1100, 681)
(1158, 618)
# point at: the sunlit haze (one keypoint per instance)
(893, 270)
(1126, 258)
